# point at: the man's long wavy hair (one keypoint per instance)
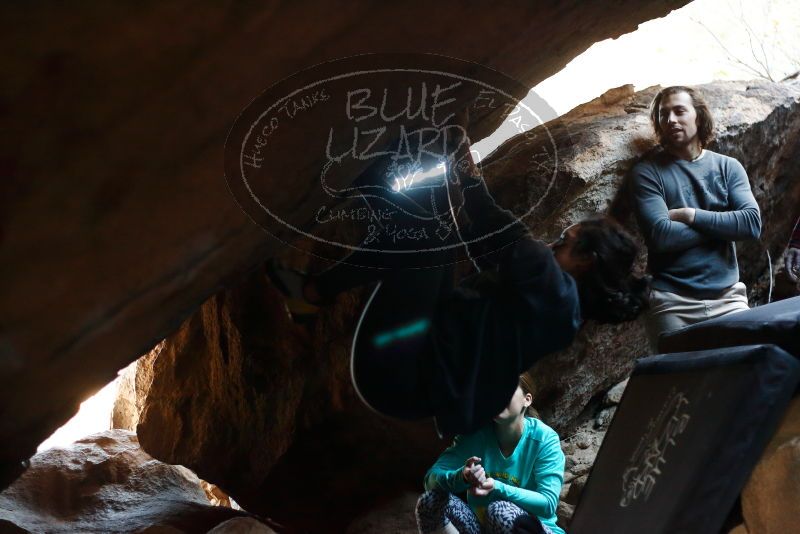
(705, 122)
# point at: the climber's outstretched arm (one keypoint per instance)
(492, 226)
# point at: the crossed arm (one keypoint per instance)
(670, 230)
(662, 233)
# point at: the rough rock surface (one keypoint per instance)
(106, 483)
(115, 221)
(217, 497)
(771, 501)
(134, 385)
(395, 516)
(614, 395)
(241, 525)
(253, 402)
(771, 498)
(581, 448)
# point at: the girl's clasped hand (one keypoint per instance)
(474, 475)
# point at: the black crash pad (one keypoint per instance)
(777, 323)
(685, 437)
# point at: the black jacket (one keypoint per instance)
(499, 323)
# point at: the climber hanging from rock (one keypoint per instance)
(425, 346)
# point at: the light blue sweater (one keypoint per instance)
(531, 477)
(697, 260)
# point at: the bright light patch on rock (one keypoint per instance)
(93, 416)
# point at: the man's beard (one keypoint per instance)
(668, 142)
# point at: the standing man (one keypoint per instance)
(691, 204)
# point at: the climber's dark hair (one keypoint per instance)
(609, 291)
(704, 121)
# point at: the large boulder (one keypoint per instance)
(112, 180)
(106, 483)
(260, 405)
(771, 498)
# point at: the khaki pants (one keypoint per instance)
(669, 311)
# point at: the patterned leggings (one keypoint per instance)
(436, 508)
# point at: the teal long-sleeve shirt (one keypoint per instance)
(697, 260)
(531, 477)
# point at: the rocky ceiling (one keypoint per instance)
(115, 220)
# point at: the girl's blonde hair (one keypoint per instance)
(527, 387)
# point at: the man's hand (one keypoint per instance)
(473, 473)
(684, 215)
(484, 489)
(792, 264)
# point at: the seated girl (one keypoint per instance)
(511, 469)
